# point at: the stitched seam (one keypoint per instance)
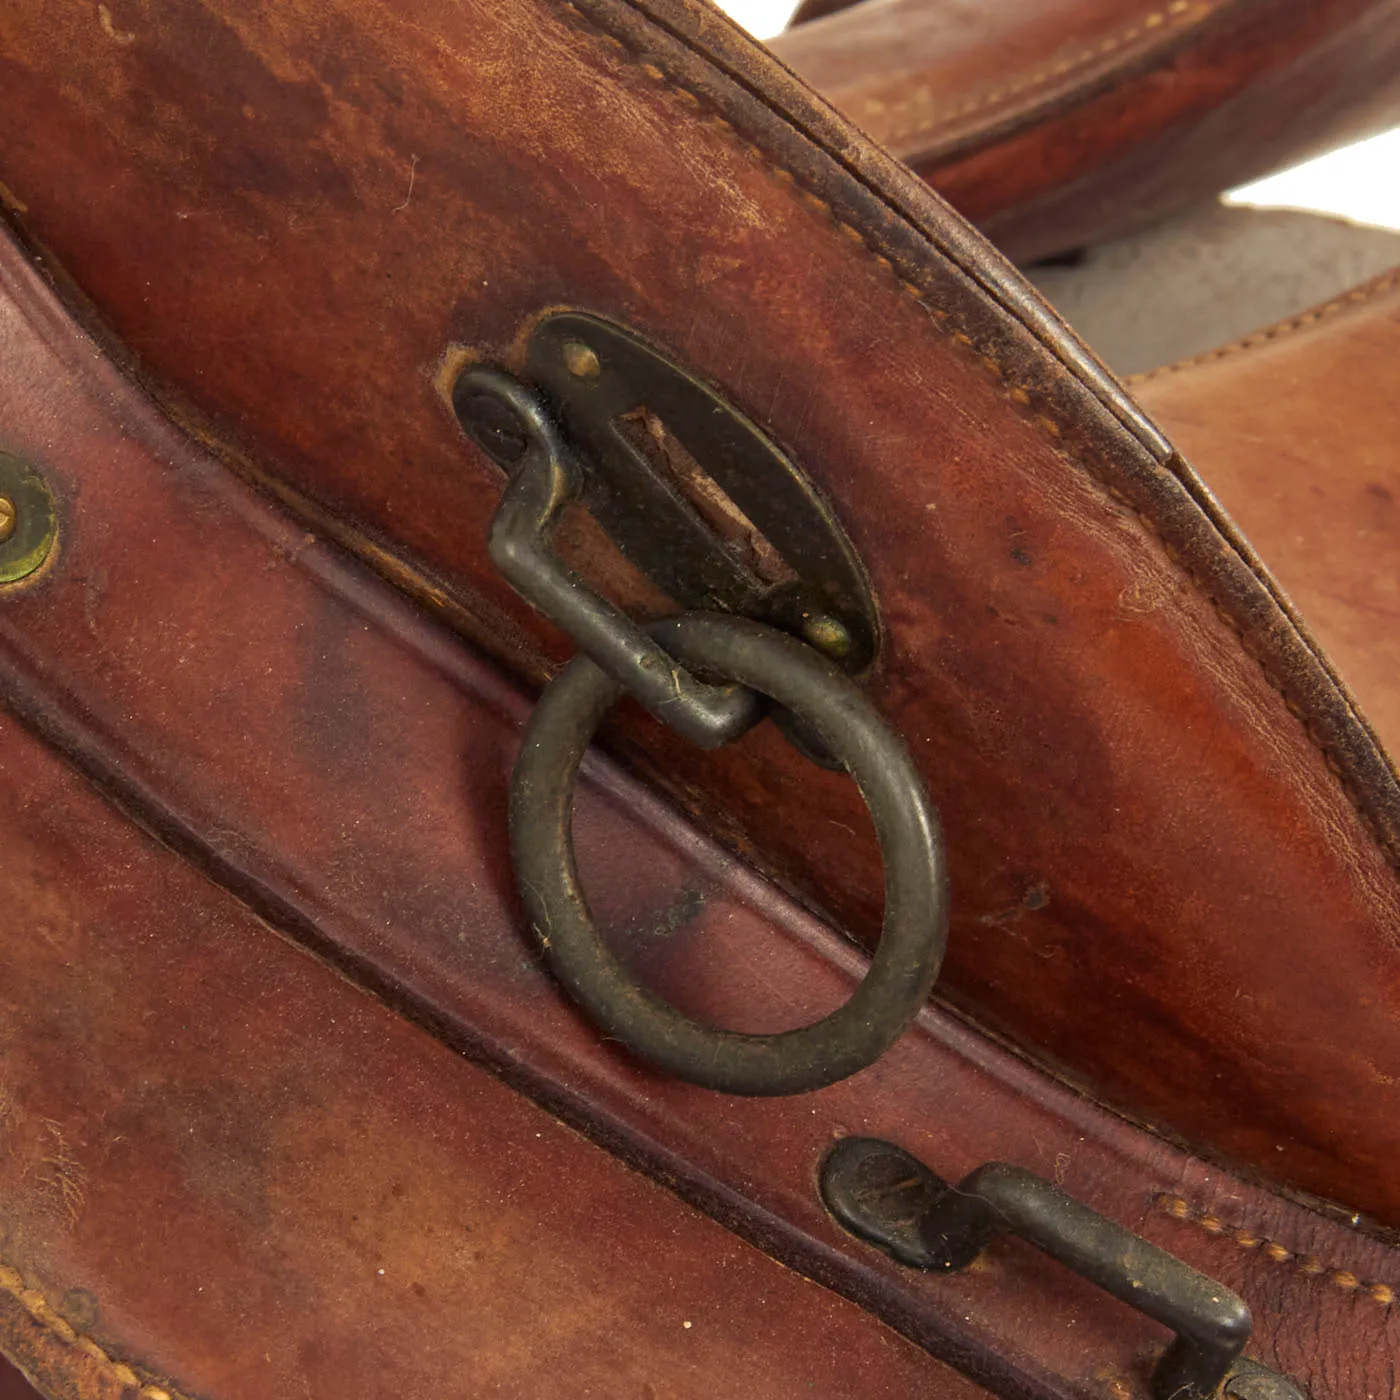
(42, 1311)
(1358, 296)
(1306, 1264)
(1015, 392)
(1173, 16)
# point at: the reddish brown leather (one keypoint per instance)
(1296, 430)
(313, 743)
(1136, 751)
(239, 1176)
(1056, 125)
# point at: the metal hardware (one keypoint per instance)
(28, 519)
(915, 928)
(744, 533)
(886, 1196)
(511, 423)
(692, 491)
(1248, 1380)
(695, 494)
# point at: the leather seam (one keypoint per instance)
(1018, 395)
(1179, 14)
(1280, 330)
(43, 1312)
(1308, 1265)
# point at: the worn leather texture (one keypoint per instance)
(1295, 428)
(1059, 125)
(1160, 803)
(256, 915)
(228, 1173)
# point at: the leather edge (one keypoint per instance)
(690, 45)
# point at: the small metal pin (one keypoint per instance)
(28, 519)
(581, 360)
(828, 634)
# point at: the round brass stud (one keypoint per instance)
(28, 519)
(581, 360)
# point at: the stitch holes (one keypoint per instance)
(1306, 1264)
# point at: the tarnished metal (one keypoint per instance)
(28, 519)
(698, 498)
(886, 1196)
(915, 928)
(695, 493)
(511, 423)
(1248, 1380)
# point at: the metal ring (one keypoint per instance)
(906, 962)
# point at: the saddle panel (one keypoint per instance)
(1060, 126)
(273, 1023)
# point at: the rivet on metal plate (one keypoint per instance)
(28, 519)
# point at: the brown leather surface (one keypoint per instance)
(238, 1176)
(312, 742)
(1136, 752)
(1062, 124)
(1296, 431)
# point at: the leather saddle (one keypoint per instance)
(291, 1098)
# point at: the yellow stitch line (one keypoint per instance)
(1173, 13)
(45, 1315)
(1277, 331)
(1306, 1264)
(1319, 742)
(815, 201)
(62, 1328)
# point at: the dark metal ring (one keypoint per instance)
(906, 962)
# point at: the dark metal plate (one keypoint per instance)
(695, 494)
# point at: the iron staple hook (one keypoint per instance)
(888, 1197)
(661, 666)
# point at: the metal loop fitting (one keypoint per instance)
(886, 1196)
(906, 962)
(544, 479)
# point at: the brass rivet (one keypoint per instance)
(827, 634)
(581, 360)
(28, 519)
